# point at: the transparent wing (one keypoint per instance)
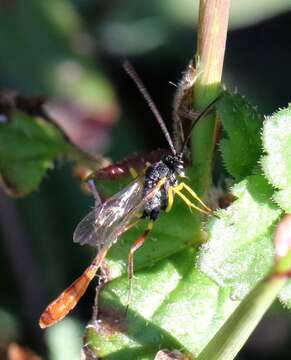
(105, 223)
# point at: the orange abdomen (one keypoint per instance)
(68, 299)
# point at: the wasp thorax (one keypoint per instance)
(176, 164)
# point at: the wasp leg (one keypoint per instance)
(94, 192)
(189, 203)
(193, 115)
(137, 244)
(170, 199)
(133, 172)
(103, 279)
(182, 186)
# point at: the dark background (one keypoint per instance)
(38, 41)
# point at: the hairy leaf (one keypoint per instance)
(242, 148)
(239, 251)
(277, 161)
(173, 306)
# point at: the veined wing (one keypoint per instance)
(103, 224)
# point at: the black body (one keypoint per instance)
(170, 167)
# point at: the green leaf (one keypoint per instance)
(28, 147)
(277, 161)
(241, 149)
(173, 306)
(239, 252)
(276, 165)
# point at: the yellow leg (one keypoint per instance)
(182, 186)
(189, 203)
(133, 173)
(170, 199)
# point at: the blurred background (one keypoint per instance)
(71, 51)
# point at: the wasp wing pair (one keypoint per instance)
(100, 228)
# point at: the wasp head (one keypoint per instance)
(176, 164)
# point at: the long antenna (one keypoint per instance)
(132, 73)
(195, 121)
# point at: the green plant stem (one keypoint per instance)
(212, 31)
(234, 333)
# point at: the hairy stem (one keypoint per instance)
(212, 31)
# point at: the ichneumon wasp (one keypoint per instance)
(145, 197)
